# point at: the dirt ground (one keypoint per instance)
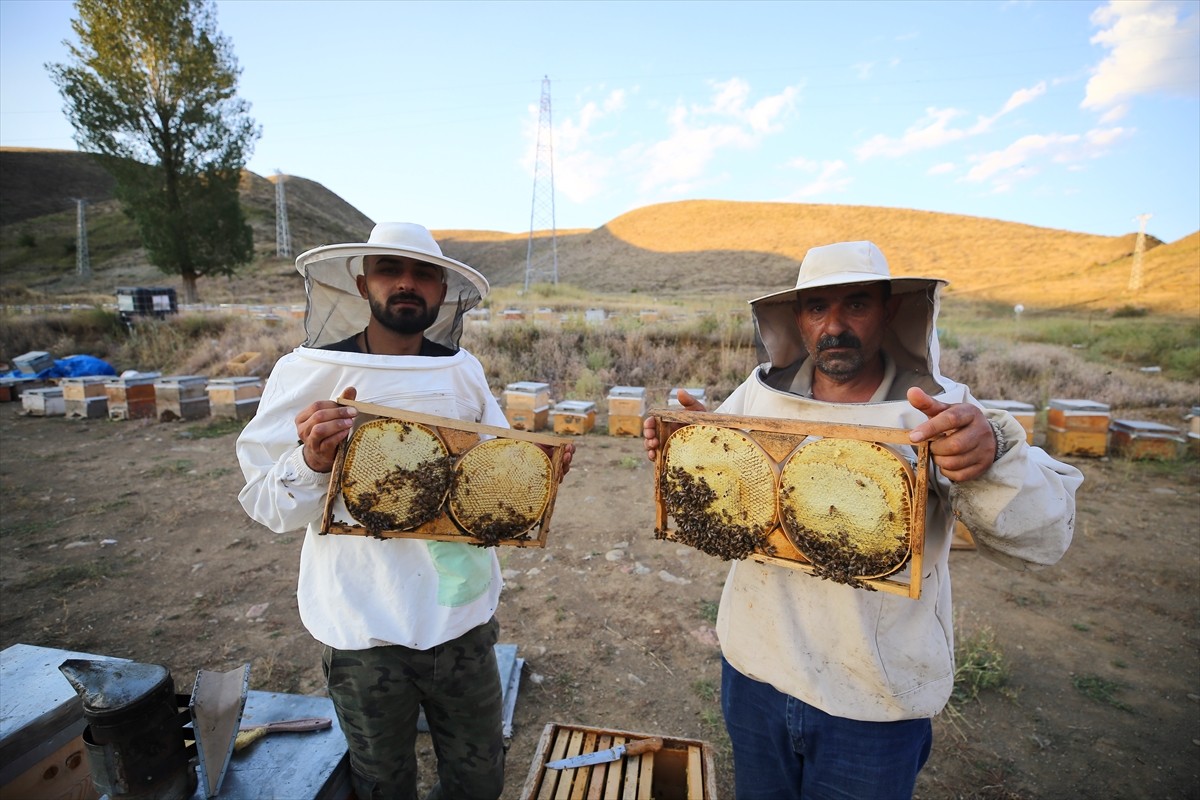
(126, 539)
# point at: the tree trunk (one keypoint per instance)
(190, 295)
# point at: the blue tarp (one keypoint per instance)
(69, 367)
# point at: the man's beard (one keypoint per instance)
(405, 320)
(840, 366)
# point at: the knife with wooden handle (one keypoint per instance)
(634, 748)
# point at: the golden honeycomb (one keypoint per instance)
(719, 486)
(846, 506)
(501, 488)
(395, 475)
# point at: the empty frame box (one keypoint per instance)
(1023, 413)
(1137, 439)
(181, 397)
(1077, 428)
(574, 417)
(234, 398)
(682, 769)
(418, 476)
(626, 409)
(131, 397)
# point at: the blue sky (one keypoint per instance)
(1072, 115)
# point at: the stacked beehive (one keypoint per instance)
(574, 417)
(1077, 428)
(626, 409)
(527, 405)
(85, 398)
(181, 397)
(131, 397)
(234, 398)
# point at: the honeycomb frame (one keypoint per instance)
(779, 438)
(459, 436)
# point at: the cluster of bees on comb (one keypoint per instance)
(425, 489)
(688, 499)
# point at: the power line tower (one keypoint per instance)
(541, 257)
(1135, 272)
(283, 237)
(83, 264)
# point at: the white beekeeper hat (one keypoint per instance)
(337, 311)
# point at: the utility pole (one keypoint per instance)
(1135, 272)
(83, 264)
(541, 257)
(283, 237)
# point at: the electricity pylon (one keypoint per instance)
(1135, 272)
(83, 264)
(283, 237)
(541, 257)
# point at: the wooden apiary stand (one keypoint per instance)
(682, 770)
(84, 397)
(626, 409)
(459, 436)
(1136, 439)
(131, 398)
(574, 417)
(1077, 428)
(778, 438)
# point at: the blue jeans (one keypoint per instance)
(785, 749)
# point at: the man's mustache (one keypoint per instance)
(407, 297)
(846, 339)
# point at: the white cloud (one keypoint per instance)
(699, 132)
(580, 171)
(1151, 50)
(934, 130)
(863, 69)
(1029, 155)
(829, 179)
(942, 169)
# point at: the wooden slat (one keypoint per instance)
(550, 777)
(457, 424)
(580, 786)
(574, 748)
(630, 789)
(646, 776)
(600, 771)
(613, 788)
(695, 773)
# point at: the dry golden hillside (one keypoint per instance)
(748, 248)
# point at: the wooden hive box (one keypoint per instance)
(527, 395)
(545, 315)
(1024, 413)
(779, 440)
(45, 402)
(1077, 427)
(181, 397)
(12, 388)
(626, 409)
(682, 770)
(84, 388)
(1136, 439)
(244, 364)
(230, 390)
(528, 419)
(648, 315)
(87, 408)
(459, 437)
(574, 417)
(132, 397)
(33, 362)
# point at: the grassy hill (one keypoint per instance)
(686, 248)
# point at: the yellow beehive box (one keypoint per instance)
(680, 768)
(1077, 428)
(627, 401)
(231, 390)
(244, 364)
(1024, 413)
(528, 419)
(574, 417)
(82, 388)
(1137, 439)
(648, 315)
(527, 395)
(624, 425)
(545, 315)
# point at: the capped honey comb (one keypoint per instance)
(846, 506)
(719, 486)
(500, 489)
(396, 475)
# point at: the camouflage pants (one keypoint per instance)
(378, 693)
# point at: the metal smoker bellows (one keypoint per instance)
(135, 734)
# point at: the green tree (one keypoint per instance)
(151, 89)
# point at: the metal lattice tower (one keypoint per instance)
(1135, 272)
(541, 257)
(83, 264)
(283, 237)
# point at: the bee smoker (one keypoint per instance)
(134, 736)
